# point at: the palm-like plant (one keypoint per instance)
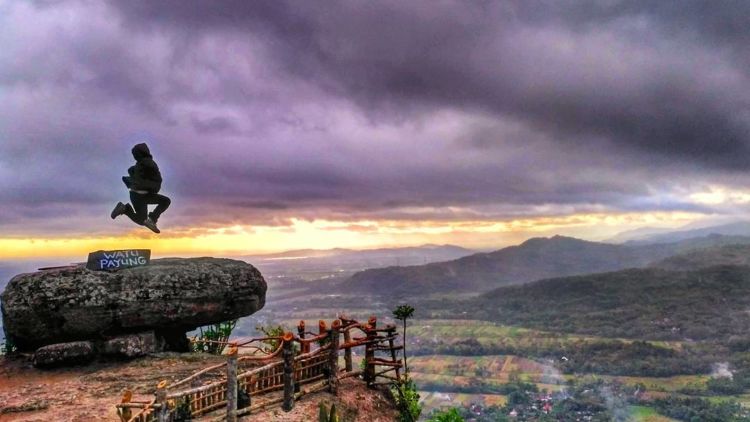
(402, 313)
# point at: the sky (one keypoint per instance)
(315, 124)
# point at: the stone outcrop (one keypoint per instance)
(131, 346)
(73, 353)
(168, 297)
(82, 352)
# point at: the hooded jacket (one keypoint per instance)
(145, 174)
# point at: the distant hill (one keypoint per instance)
(637, 234)
(707, 257)
(650, 303)
(739, 228)
(535, 259)
(422, 252)
(316, 263)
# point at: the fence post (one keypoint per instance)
(372, 325)
(322, 328)
(288, 353)
(348, 350)
(391, 337)
(232, 383)
(161, 399)
(124, 412)
(301, 334)
(333, 358)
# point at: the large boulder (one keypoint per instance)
(169, 296)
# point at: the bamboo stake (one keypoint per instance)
(347, 351)
(370, 351)
(333, 358)
(161, 400)
(301, 335)
(288, 372)
(232, 384)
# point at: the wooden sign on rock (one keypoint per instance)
(117, 260)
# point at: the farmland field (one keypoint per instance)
(464, 362)
(436, 400)
(488, 333)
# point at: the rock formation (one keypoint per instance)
(167, 298)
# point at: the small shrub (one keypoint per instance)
(212, 339)
(450, 415)
(182, 412)
(272, 344)
(407, 400)
(271, 331)
(322, 412)
(7, 348)
(325, 416)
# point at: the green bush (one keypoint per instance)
(212, 338)
(271, 331)
(407, 400)
(697, 409)
(450, 415)
(725, 386)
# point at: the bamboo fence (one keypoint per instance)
(313, 366)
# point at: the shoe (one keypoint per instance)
(154, 219)
(151, 226)
(119, 210)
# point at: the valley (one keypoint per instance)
(622, 344)
(649, 334)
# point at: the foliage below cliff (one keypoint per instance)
(706, 304)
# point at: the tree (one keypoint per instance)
(407, 398)
(402, 313)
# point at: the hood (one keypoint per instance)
(141, 151)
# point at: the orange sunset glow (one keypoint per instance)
(324, 234)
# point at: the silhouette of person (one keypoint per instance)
(144, 183)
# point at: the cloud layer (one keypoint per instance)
(259, 112)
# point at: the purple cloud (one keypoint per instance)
(262, 111)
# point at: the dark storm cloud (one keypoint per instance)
(662, 77)
(258, 112)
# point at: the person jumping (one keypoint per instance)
(144, 183)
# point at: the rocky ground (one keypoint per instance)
(89, 393)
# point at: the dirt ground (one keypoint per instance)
(86, 393)
(89, 393)
(354, 403)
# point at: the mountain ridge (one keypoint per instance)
(534, 259)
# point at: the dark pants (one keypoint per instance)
(139, 211)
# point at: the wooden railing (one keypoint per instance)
(295, 371)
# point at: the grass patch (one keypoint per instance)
(646, 414)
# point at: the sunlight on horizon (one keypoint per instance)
(327, 234)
